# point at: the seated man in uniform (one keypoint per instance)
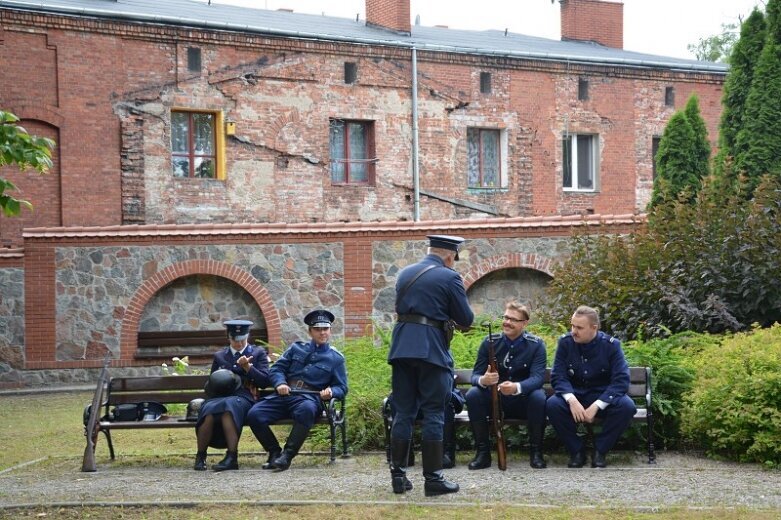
(221, 419)
(591, 378)
(520, 360)
(304, 376)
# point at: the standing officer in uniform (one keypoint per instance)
(314, 366)
(221, 419)
(520, 360)
(590, 378)
(428, 295)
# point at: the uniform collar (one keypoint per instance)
(240, 352)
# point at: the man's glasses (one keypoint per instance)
(514, 320)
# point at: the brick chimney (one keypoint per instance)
(598, 21)
(389, 14)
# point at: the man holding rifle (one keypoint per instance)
(304, 376)
(520, 361)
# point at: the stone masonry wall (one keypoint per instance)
(11, 318)
(94, 286)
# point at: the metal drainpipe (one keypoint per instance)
(415, 163)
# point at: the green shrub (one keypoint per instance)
(734, 410)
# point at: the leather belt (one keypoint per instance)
(421, 320)
(299, 384)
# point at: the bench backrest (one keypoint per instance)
(639, 382)
(161, 389)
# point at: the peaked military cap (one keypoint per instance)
(448, 242)
(319, 318)
(238, 329)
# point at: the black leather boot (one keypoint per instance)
(400, 449)
(482, 458)
(432, 471)
(268, 440)
(294, 442)
(536, 433)
(230, 461)
(449, 439)
(200, 461)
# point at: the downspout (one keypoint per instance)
(415, 162)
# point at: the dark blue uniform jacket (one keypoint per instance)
(438, 294)
(520, 361)
(595, 367)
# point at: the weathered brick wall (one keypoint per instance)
(108, 88)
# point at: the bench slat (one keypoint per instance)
(152, 384)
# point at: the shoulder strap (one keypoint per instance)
(414, 279)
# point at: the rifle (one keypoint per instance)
(91, 427)
(497, 421)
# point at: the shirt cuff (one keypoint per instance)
(601, 404)
(567, 396)
(518, 389)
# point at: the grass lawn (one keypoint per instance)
(50, 427)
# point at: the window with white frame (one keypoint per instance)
(351, 146)
(580, 164)
(486, 152)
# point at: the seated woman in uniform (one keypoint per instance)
(237, 371)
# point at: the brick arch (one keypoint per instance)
(30, 110)
(128, 342)
(508, 261)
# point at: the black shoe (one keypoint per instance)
(437, 485)
(578, 460)
(448, 462)
(200, 461)
(482, 459)
(272, 456)
(598, 460)
(284, 460)
(231, 461)
(536, 460)
(400, 483)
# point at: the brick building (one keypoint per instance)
(180, 115)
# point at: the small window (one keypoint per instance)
(484, 158)
(485, 82)
(350, 72)
(352, 152)
(193, 145)
(580, 162)
(193, 59)
(654, 150)
(669, 96)
(582, 89)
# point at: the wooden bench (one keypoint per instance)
(639, 391)
(197, 344)
(181, 389)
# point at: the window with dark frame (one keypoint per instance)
(654, 150)
(350, 72)
(485, 82)
(484, 158)
(193, 59)
(583, 89)
(669, 96)
(351, 145)
(579, 162)
(193, 147)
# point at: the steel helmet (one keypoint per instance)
(193, 409)
(222, 383)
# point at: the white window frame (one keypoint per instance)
(573, 142)
(503, 153)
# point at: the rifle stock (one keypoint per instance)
(497, 421)
(91, 430)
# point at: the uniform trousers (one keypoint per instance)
(530, 407)
(614, 420)
(302, 409)
(419, 386)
